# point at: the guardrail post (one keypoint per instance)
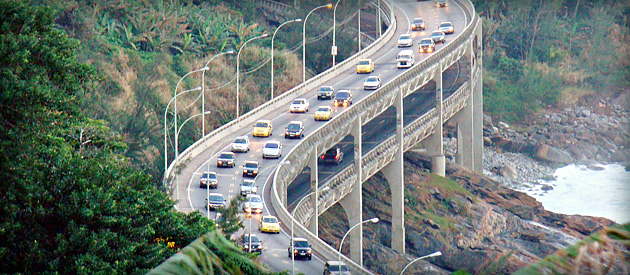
(313, 227)
(477, 100)
(353, 202)
(394, 173)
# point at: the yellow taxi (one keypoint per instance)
(263, 128)
(365, 66)
(269, 224)
(323, 113)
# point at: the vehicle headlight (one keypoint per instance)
(345, 103)
(244, 171)
(295, 251)
(308, 251)
(255, 172)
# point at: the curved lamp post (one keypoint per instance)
(203, 91)
(175, 96)
(194, 116)
(372, 220)
(238, 56)
(434, 254)
(166, 135)
(272, 39)
(304, 39)
(334, 45)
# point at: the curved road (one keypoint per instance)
(274, 254)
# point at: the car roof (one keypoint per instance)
(253, 195)
(334, 263)
(295, 122)
(242, 137)
(417, 18)
(229, 153)
(299, 98)
(251, 161)
(446, 22)
(324, 106)
(215, 194)
(269, 216)
(366, 59)
(299, 239)
(426, 39)
(273, 141)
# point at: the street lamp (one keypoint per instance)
(175, 96)
(434, 254)
(238, 56)
(272, 39)
(372, 220)
(334, 46)
(194, 116)
(166, 134)
(329, 5)
(203, 91)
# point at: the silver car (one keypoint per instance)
(248, 187)
(299, 105)
(241, 144)
(372, 82)
(405, 40)
(254, 204)
(272, 149)
(447, 27)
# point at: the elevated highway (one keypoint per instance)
(374, 132)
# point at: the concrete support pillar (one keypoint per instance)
(477, 103)
(435, 145)
(464, 121)
(313, 226)
(394, 173)
(353, 202)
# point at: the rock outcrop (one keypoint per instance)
(478, 224)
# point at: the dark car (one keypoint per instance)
(215, 201)
(332, 156)
(209, 179)
(226, 159)
(325, 92)
(295, 129)
(252, 244)
(343, 98)
(300, 249)
(417, 24)
(250, 169)
(438, 37)
(426, 45)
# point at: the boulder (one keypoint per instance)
(554, 155)
(508, 171)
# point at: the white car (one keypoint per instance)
(253, 204)
(299, 105)
(447, 27)
(272, 149)
(405, 40)
(248, 187)
(241, 144)
(372, 82)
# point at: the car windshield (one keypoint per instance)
(248, 183)
(417, 21)
(445, 25)
(335, 268)
(325, 89)
(342, 95)
(298, 102)
(272, 145)
(240, 140)
(216, 198)
(301, 244)
(331, 152)
(323, 109)
(364, 62)
(372, 79)
(437, 34)
(405, 36)
(255, 199)
(254, 239)
(270, 220)
(251, 165)
(425, 42)
(212, 176)
(293, 127)
(225, 156)
(262, 124)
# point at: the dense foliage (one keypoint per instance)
(71, 203)
(541, 54)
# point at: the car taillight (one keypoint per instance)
(322, 156)
(337, 157)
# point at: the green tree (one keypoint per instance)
(72, 203)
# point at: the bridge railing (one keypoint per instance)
(246, 120)
(341, 184)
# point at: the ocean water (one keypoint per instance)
(580, 190)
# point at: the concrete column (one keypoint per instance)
(477, 103)
(434, 143)
(313, 226)
(394, 173)
(353, 202)
(464, 121)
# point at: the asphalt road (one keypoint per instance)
(274, 254)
